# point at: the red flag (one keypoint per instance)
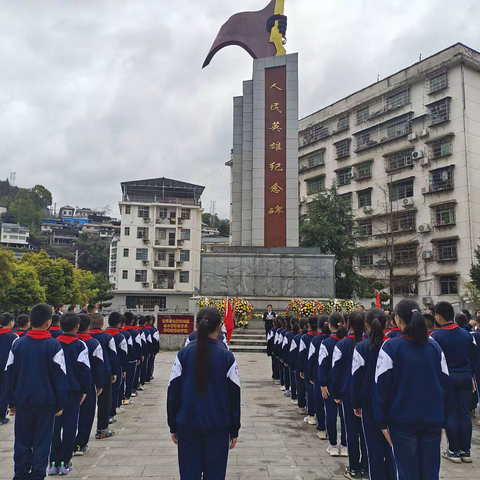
(378, 303)
(228, 319)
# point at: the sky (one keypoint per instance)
(97, 92)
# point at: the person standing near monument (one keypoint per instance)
(268, 318)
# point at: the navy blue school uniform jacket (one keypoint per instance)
(305, 353)
(219, 409)
(313, 360)
(295, 350)
(55, 331)
(136, 339)
(287, 341)
(79, 377)
(95, 356)
(21, 333)
(325, 360)
(459, 348)
(7, 337)
(109, 348)
(154, 339)
(220, 337)
(279, 342)
(410, 383)
(394, 332)
(131, 350)
(342, 368)
(121, 347)
(270, 339)
(36, 373)
(364, 364)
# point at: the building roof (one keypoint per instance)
(67, 207)
(213, 239)
(14, 225)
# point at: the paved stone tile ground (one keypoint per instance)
(274, 441)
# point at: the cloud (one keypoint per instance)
(93, 93)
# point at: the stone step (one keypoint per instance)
(244, 341)
(247, 349)
(249, 336)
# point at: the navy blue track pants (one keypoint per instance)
(357, 452)
(319, 406)
(331, 412)
(86, 418)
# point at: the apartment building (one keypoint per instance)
(156, 259)
(405, 152)
(14, 235)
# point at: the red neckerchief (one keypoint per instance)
(325, 335)
(351, 336)
(5, 330)
(129, 327)
(84, 336)
(429, 333)
(406, 337)
(312, 334)
(67, 338)
(54, 327)
(148, 326)
(450, 326)
(21, 333)
(112, 331)
(39, 334)
(334, 336)
(96, 331)
(385, 338)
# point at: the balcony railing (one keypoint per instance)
(155, 199)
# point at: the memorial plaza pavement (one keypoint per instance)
(274, 441)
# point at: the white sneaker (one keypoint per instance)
(294, 402)
(333, 451)
(322, 435)
(305, 419)
(120, 410)
(343, 451)
(312, 420)
(301, 411)
(282, 388)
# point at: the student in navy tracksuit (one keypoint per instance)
(303, 357)
(97, 368)
(312, 369)
(139, 386)
(429, 322)
(409, 397)
(155, 347)
(284, 350)
(35, 359)
(7, 337)
(364, 362)
(270, 339)
(79, 381)
(134, 355)
(278, 351)
(393, 331)
(55, 329)
(203, 403)
(120, 363)
(222, 338)
(22, 325)
(340, 390)
(292, 346)
(104, 400)
(463, 363)
(338, 330)
(300, 382)
(142, 321)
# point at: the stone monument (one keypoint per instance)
(264, 261)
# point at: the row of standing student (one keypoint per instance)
(56, 376)
(391, 387)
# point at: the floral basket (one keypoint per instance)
(350, 306)
(205, 302)
(243, 311)
(308, 309)
(220, 305)
(319, 308)
(333, 305)
(294, 307)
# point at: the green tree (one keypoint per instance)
(332, 228)
(25, 291)
(42, 196)
(84, 286)
(26, 212)
(93, 252)
(104, 287)
(475, 269)
(6, 266)
(224, 228)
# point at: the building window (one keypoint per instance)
(161, 234)
(405, 254)
(142, 254)
(142, 232)
(185, 214)
(398, 98)
(444, 215)
(399, 160)
(162, 213)
(184, 276)
(441, 147)
(389, 130)
(363, 114)
(448, 285)
(437, 81)
(342, 123)
(365, 259)
(185, 234)
(141, 276)
(126, 231)
(162, 255)
(342, 148)
(315, 185)
(125, 274)
(366, 227)
(185, 255)
(128, 209)
(144, 212)
(441, 179)
(405, 286)
(403, 222)
(344, 177)
(347, 198)
(365, 198)
(313, 134)
(312, 160)
(364, 170)
(126, 252)
(439, 112)
(446, 250)
(402, 189)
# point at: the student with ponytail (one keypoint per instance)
(291, 345)
(340, 391)
(301, 392)
(284, 354)
(271, 335)
(364, 362)
(278, 351)
(411, 378)
(203, 402)
(335, 324)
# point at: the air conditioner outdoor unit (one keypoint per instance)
(427, 255)
(382, 262)
(423, 133)
(146, 262)
(418, 154)
(146, 241)
(412, 137)
(424, 228)
(425, 190)
(407, 202)
(425, 162)
(367, 210)
(145, 284)
(146, 219)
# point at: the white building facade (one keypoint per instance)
(405, 152)
(156, 260)
(14, 235)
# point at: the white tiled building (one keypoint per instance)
(14, 235)
(406, 151)
(156, 260)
